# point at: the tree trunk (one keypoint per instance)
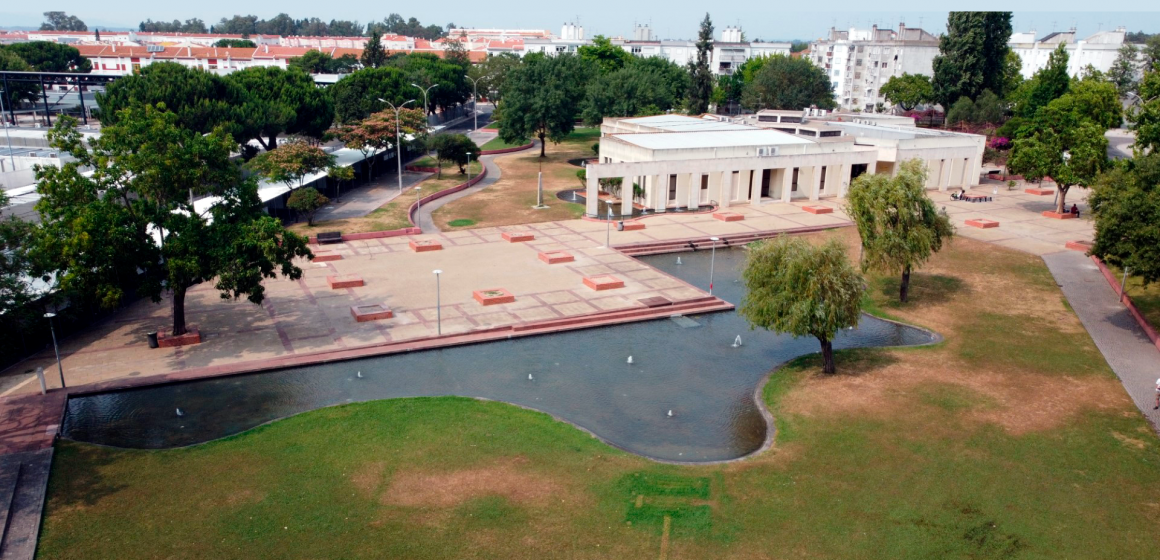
(178, 311)
(262, 142)
(902, 292)
(541, 145)
(827, 356)
(273, 142)
(1061, 203)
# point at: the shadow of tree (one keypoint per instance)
(925, 289)
(78, 476)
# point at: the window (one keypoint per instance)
(785, 129)
(829, 133)
(791, 119)
(704, 182)
(672, 187)
(822, 186)
(636, 50)
(884, 65)
(794, 181)
(767, 118)
(857, 75)
(859, 63)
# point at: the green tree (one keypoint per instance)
(898, 223)
(542, 98)
(376, 133)
(788, 83)
(60, 21)
(356, 96)
(636, 90)
(235, 43)
(202, 100)
(453, 148)
(908, 91)
(133, 213)
(700, 75)
(1048, 84)
(427, 70)
(291, 163)
(1012, 74)
(1063, 144)
(491, 74)
(340, 174)
(1124, 70)
(603, 55)
(801, 289)
(20, 91)
(963, 111)
(1151, 52)
(1096, 100)
(46, 56)
(307, 201)
(281, 102)
(1126, 205)
(455, 52)
(1145, 119)
(15, 265)
(373, 55)
(972, 55)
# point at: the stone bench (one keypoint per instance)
(371, 312)
(728, 216)
(818, 209)
(518, 236)
(341, 281)
(603, 282)
(329, 237)
(493, 296)
(982, 223)
(556, 257)
(425, 245)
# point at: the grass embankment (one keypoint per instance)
(392, 215)
(510, 200)
(1146, 298)
(1011, 439)
(497, 143)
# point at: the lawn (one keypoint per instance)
(392, 215)
(510, 200)
(497, 143)
(1146, 298)
(1011, 439)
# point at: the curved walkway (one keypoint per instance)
(427, 224)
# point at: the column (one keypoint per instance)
(948, 167)
(842, 181)
(695, 190)
(626, 196)
(969, 178)
(943, 172)
(786, 184)
(748, 182)
(716, 192)
(815, 182)
(660, 192)
(592, 203)
(683, 180)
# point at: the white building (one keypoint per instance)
(1099, 50)
(686, 162)
(860, 61)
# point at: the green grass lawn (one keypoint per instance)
(1010, 440)
(497, 143)
(1146, 298)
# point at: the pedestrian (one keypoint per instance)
(1075, 210)
(1157, 395)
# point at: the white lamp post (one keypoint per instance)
(56, 349)
(419, 208)
(398, 139)
(475, 99)
(712, 262)
(438, 306)
(468, 167)
(425, 90)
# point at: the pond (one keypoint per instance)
(686, 365)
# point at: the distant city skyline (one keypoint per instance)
(679, 19)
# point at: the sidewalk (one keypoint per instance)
(1120, 339)
(427, 225)
(359, 202)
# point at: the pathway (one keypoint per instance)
(427, 224)
(1123, 343)
(359, 202)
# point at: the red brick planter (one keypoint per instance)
(633, 226)
(372, 312)
(556, 257)
(1079, 245)
(191, 336)
(655, 301)
(1040, 192)
(340, 281)
(425, 245)
(818, 209)
(494, 296)
(1058, 216)
(981, 223)
(603, 282)
(517, 236)
(728, 216)
(326, 256)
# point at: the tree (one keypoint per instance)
(700, 75)
(133, 214)
(192, 25)
(340, 174)
(427, 70)
(603, 55)
(797, 288)
(491, 74)
(307, 201)
(235, 43)
(1063, 144)
(281, 102)
(20, 91)
(46, 56)
(1048, 84)
(542, 98)
(636, 90)
(972, 56)
(376, 133)
(1012, 74)
(1126, 205)
(373, 55)
(238, 25)
(357, 95)
(1151, 52)
(908, 91)
(320, 62)
(201, 100)
(15, 267)
(1096, 100)
(898, 223)
(1145, 119)
(1123, 71)
(291, 163)
(455, 52)
(788, 83)
(454, 148)
(963, 111)
(60, 21)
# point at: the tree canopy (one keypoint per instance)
(320, 62)
(453, 148)
(1061, 142)
(542, 98)
(972, 56)
(60, 21)
(898, 223)
(373, 55)
(1125, 69)
(700, 75)
(1048, 84)
(192, 25)
(46, 56)
(1146, 118)
(290, 163)
(235, 43)
(603, 55)
(801, 289)
(646, 86)
(377, 131)
(908, 91)
(134, 213)
(280, 102)
(1126, 205)
(356, 96)
(201, 100)
(307, 201)
(783, 82)
(20, 91)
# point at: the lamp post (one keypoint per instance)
(425, 90)
(419, 208)
(398, 139)
(56, 349)
(468, 167)
(11, 157)
(608, 225)
(475, 99)
(438, 306)
(712, 262)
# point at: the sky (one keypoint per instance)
(669, 19)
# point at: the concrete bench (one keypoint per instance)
(329, 237)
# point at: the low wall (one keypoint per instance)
(1127, 300)
(443, 193)
(507, 150)
(421, 169)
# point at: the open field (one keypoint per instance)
(392, 215)
(1011, 439)
(510, 200)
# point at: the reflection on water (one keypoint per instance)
(581, 376)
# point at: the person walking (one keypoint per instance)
(1157, 395)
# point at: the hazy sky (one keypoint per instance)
(671, 19)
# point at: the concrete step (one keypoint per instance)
(22, 524)
(700, 243)
(9, 475)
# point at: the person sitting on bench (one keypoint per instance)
(954, 196)
(1075, 210)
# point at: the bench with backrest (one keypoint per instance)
(329, 237)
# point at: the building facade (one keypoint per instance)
(860, 61)
(1099, 50)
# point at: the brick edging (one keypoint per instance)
(1149, 330)
(437, 195)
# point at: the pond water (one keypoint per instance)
(687, 365)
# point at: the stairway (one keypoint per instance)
(724, 241)
(23, 483)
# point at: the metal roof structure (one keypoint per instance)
(739, 136)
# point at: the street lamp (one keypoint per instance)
(468, 167)
(425, 90)
(712, 261)
(419, 208)
(608, 226)
(56, 349)
(398, 139)
(11, 157)
(438, 306)
(475, 98)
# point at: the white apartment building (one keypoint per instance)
(1099, 50)
(860, 61)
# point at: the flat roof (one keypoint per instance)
(681, 123)
(743, 136)
(894, 132)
